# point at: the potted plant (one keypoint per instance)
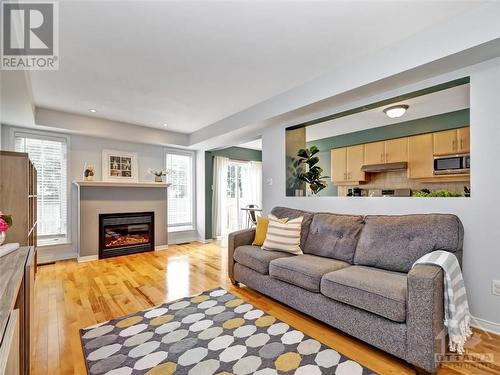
(158, 174)
(5, 224)
(295, 186)
(313, 174)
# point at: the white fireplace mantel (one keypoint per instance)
(96, 197)
(121, 184)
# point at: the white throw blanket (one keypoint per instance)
(456, 307)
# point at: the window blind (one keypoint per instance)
(180, 192)
(49, 157)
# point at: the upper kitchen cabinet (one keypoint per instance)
(339, 164)
(390, 151)
(347, 163)
(451, 141)
(420, 158)
(375, 153)
(396, 150)
(463, 139)
(355, 159)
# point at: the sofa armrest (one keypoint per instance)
(235, 239)
(425, 316)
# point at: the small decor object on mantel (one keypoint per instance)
(119, 166)
(88, 172)
(5, 224)
(158, 174)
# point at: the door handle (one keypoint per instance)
(461, 143)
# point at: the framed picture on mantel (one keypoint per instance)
(119, 166)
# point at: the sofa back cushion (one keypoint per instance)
(292, 213)
(334, 236)
(395, 242)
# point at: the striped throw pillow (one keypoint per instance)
(283, 236)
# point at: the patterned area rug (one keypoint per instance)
(211, 333)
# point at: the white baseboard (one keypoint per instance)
(161, 247)
(50, 254)
(485, 325)
(88, 258)
(206, 240)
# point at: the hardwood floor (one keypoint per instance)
(71, 295)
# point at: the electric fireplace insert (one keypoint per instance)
(125, 233)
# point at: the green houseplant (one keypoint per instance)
(312, 175)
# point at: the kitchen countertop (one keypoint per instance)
(12, 268)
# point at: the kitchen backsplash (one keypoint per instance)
(399, 180)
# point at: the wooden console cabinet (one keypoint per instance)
(17, 276)
(18, 197)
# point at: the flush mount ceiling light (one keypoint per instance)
(92, 110)
(165, 125)
(396, 110)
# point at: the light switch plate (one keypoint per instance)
(495, 287)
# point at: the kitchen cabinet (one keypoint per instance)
(390, 151)
(375, 153)
(396, 150)
(347, 163)
(463, 140)
(445, 142)
(451, 141)
(339, 164)
(420, 158)
(355, 159)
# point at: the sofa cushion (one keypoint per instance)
(292, 213)
(255, 258)
(334, 236)
(304, 271)
(377, 291)
(396, 242)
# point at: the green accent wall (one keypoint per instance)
(445, 121)
(233, 153)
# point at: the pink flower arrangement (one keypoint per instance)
(5, 221)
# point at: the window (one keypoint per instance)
(181, 190)
(48, 154)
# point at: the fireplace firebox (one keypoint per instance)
(125, 233)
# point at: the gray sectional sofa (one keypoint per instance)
(356, 275)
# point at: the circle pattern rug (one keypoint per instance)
(211, 333)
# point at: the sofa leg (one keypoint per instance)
(234, 282)
(421, 371)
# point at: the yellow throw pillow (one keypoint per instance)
(261, 229)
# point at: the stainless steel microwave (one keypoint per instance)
(452, 164)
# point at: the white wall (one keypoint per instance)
(83, 149)
(479, 214)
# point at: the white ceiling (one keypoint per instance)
(190, 64)
(444, 101)
(254, 145)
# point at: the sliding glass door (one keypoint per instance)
(237, 184)
(238, 195)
